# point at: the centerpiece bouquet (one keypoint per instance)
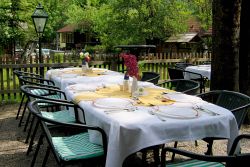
(130, 62)
(85, 57)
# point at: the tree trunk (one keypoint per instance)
(244, 58)
(225, 47)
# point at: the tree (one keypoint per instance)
(244, 58)
(225, 48)
(131, 21)
(10, 24)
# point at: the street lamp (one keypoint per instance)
(39, 18)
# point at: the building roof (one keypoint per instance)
(186, 37)
(68, 28)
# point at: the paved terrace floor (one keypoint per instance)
(13, 148)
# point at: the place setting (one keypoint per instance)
(114, 105)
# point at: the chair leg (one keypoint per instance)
(196, 143)
(46, 157)
(209, 148)
(32, 138)
(156, 152)
(27, 122)
(20, 106)
(175, 146)
(40, 141)
(30, 129)
(24, 109)
(144, 157)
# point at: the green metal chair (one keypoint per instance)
(183, 65)
(58, 114)
(200, 160)
(31, 79)
(20, 73)
(236, 102)
(152, 77)
(72, 145)
(182, 85)
(178, 73)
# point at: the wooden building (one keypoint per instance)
(71, 37)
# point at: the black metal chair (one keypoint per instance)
(152, 77)
(57, 95)
(183, 65)
(33, 80)
(182, 85)
(19, 73)
(236, 102)
(70, 144)
(177, 73)
(195, 159)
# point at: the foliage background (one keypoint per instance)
(113, 21)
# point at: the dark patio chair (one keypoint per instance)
(183, 65)
(236, 102)
(33, 80)
(182, 85)
(152, 77)
(195, 159)
(177, 73)
(70, 144)
(62, 115)
(19, 73)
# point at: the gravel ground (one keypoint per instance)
(13, 147)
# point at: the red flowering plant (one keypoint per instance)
(131, 64)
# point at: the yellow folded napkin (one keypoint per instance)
(86, 96)
(113, 91)
(93, 72)
(153, 96)
(110, 91)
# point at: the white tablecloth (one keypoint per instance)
(204, 70)
(129, 132)
(62, 79)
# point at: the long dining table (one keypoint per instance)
(154, 116)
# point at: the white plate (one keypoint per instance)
(82, 87)
(176, 112)
(181, 97)
(113, 103)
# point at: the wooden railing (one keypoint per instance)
(157, 62)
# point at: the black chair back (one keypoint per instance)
(175, 73)
(182, 85)
(236, 102)
(70, 130)
(183, 65)
(152, 77)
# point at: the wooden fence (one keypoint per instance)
(157, 62)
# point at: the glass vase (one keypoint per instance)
(85, 66)
(134, 86)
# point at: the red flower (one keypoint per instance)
(131, 64)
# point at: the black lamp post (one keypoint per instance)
(39, 18)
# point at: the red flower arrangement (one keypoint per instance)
(85, 56)
(131, 64)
